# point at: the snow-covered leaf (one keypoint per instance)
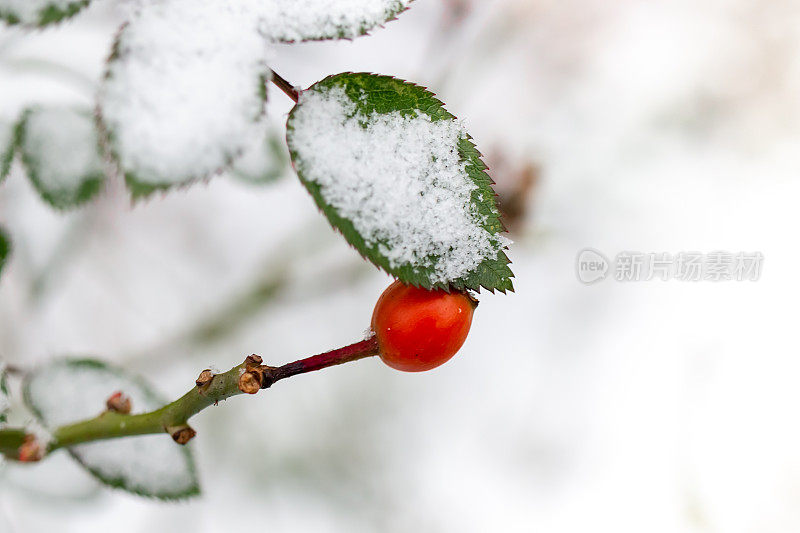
(313, 20)
(266, 161)
(39, 12)
(400, 178)
(7, 129)
(184, 91)
(5, 248)
(70, 390)
(60, 151)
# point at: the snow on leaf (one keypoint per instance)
(265, 161)
(39, 12)
(184, 91)
(5, 248)
(6, 147)
(313, 20)
(69, 390)
(400, 178)
(59, 149)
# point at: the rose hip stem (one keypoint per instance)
(353, 352)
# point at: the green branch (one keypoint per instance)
(173, 416)
(10, 441)
(248, 377)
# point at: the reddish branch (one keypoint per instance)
(257, 376)
(285, 86)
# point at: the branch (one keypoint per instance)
(10, 441)
(285, 86)
(248, 377)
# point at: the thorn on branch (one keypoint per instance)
(203, 381)
(253, 360)
(30, 451)
(119, 403)
(181, 434)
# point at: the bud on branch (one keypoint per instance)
(119, 403)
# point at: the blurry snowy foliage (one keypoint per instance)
(60, 152)
(39, 12)
(70, 390)
(183, 99)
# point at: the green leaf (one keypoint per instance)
(399, 177)
(7, 145)
(60, 151)
(5, 248)
(315, 20)
(265, 162)
(68, 390)
(39, 12)
(190, 114)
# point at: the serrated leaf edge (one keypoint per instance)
(48, 16)
(140, 189)
(459, 284)
(363, 32)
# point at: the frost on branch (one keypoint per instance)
(399, 177)
(67, 391)
(184, 91)
(39, 12)
(60, 151)
(311, 20)
(6, 147)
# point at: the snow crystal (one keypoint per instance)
(399, 179)
(61, 145)
(295, 20)
(28, 11)
(183, 96)
(153, 464)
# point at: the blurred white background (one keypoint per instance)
(624, 407)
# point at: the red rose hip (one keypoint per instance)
(418, 329)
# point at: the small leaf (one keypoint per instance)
(183, 93)
(5, 248)
(69, 390)
(7, 146)
(401, 179)
(39, 12)
(60, 152)
(314, 20)
(266, 161)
